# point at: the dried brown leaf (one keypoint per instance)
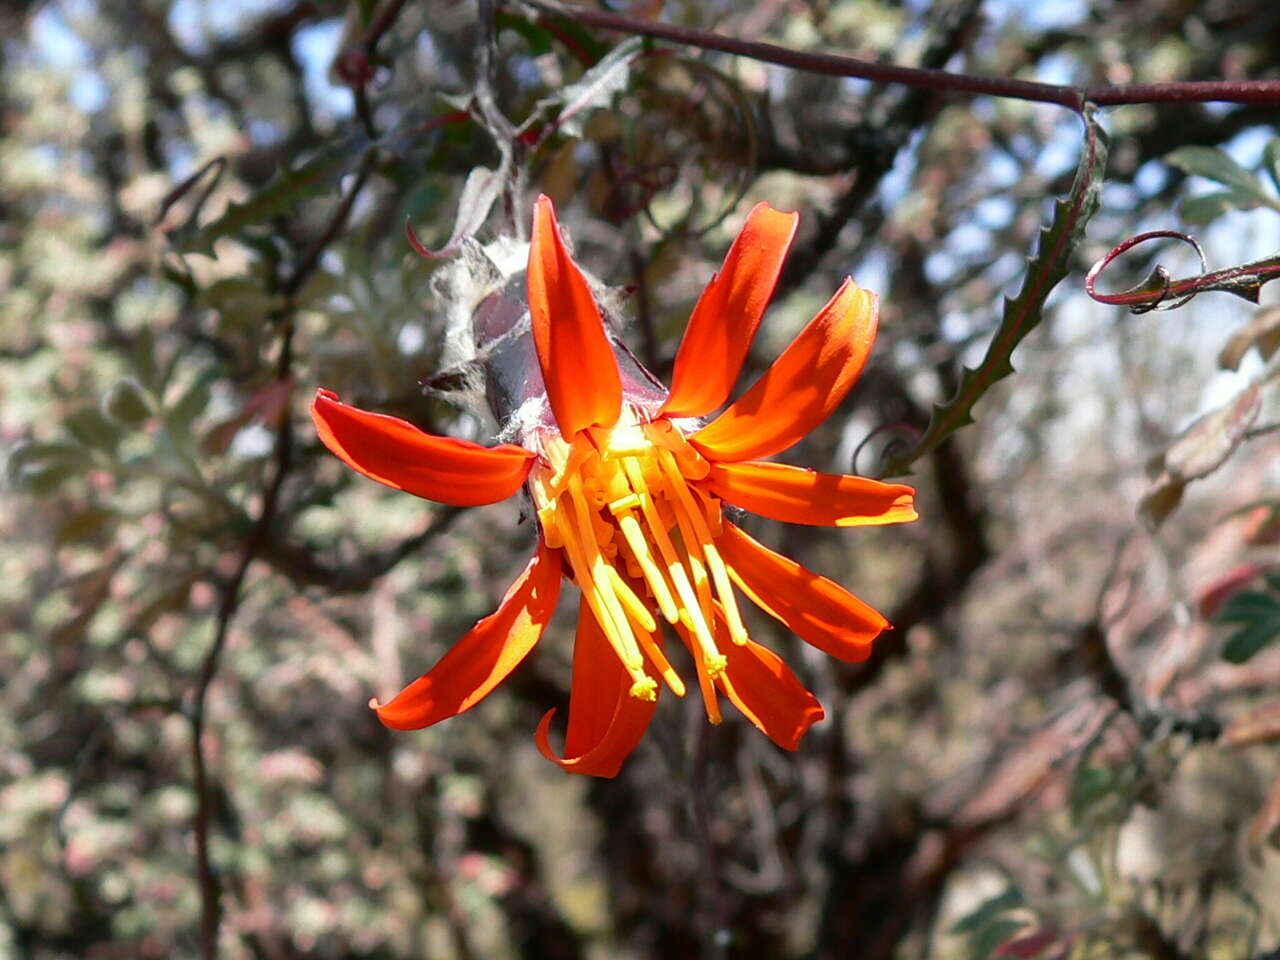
(1198, 451)
(1263, 332)
(1260, 726)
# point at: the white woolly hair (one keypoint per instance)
(480, 271)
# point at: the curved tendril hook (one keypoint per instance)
(906, 436)
(1147, 296)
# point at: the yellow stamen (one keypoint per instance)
(633, 605)
(706, 684)
(633, 479)
(644, 558)
(671, 560)
(597, 590)
(693, 522)
(646, 688)
(659, 659)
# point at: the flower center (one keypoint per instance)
(638, 535)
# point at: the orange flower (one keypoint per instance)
(628, 490)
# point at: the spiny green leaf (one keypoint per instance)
(596, 88)
(1023, 312)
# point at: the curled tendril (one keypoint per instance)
(420, 248)
(1155, 292)
(1152, 293)
(905, 437)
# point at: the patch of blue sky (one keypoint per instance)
(994, 213)
(197, 23)
(54, 42)
(1061, 152)
(1039, 14)
(897, 181)
(316, 47)
(1151, 177)
(872, 272)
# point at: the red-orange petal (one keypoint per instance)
(803, 386)
(606, 723)
(819, 611)
(395, 452)
(481, 660)
(726, 317)
(769, 694)
(797, 495)
(578, 365)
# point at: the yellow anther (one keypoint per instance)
(717, 664)
(659, 659)
(629, 502)
(645, 688)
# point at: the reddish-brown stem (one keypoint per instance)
(832, 64)
(364, 58)
(255, 542)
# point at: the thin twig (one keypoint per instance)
(366, 56)
(210, 912)
(259, 536)
(832, 64)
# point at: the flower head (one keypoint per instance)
(629, 489)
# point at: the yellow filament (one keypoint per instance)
(693, 562)
(695, 523)
(711, 510)
(652, 575)
(659, 659)
(707, 685)
(633, 605)
(593, 578)
(693, 465)
(675, 569)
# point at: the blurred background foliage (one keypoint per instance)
(1066, 749)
